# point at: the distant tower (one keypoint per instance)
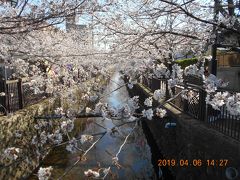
(13, 3)
(71, 21)
(82, 32)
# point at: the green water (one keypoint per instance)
(135, 158)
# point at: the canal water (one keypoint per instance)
(135, 157)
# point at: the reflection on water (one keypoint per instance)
(135, 158)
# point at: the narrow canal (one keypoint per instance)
(135, 157)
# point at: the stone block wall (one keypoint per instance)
(17, 130)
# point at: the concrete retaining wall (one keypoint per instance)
(192, 140)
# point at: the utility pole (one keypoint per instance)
(92, 30)
(214, 46)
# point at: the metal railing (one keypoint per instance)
(223, 121)
(194, 103)
(195, 106)
(179, 101)
(15, 95)
(30, 97)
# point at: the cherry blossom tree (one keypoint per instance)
(143, 37)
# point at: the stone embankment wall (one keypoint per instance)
(18, 129)
(191, 140)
